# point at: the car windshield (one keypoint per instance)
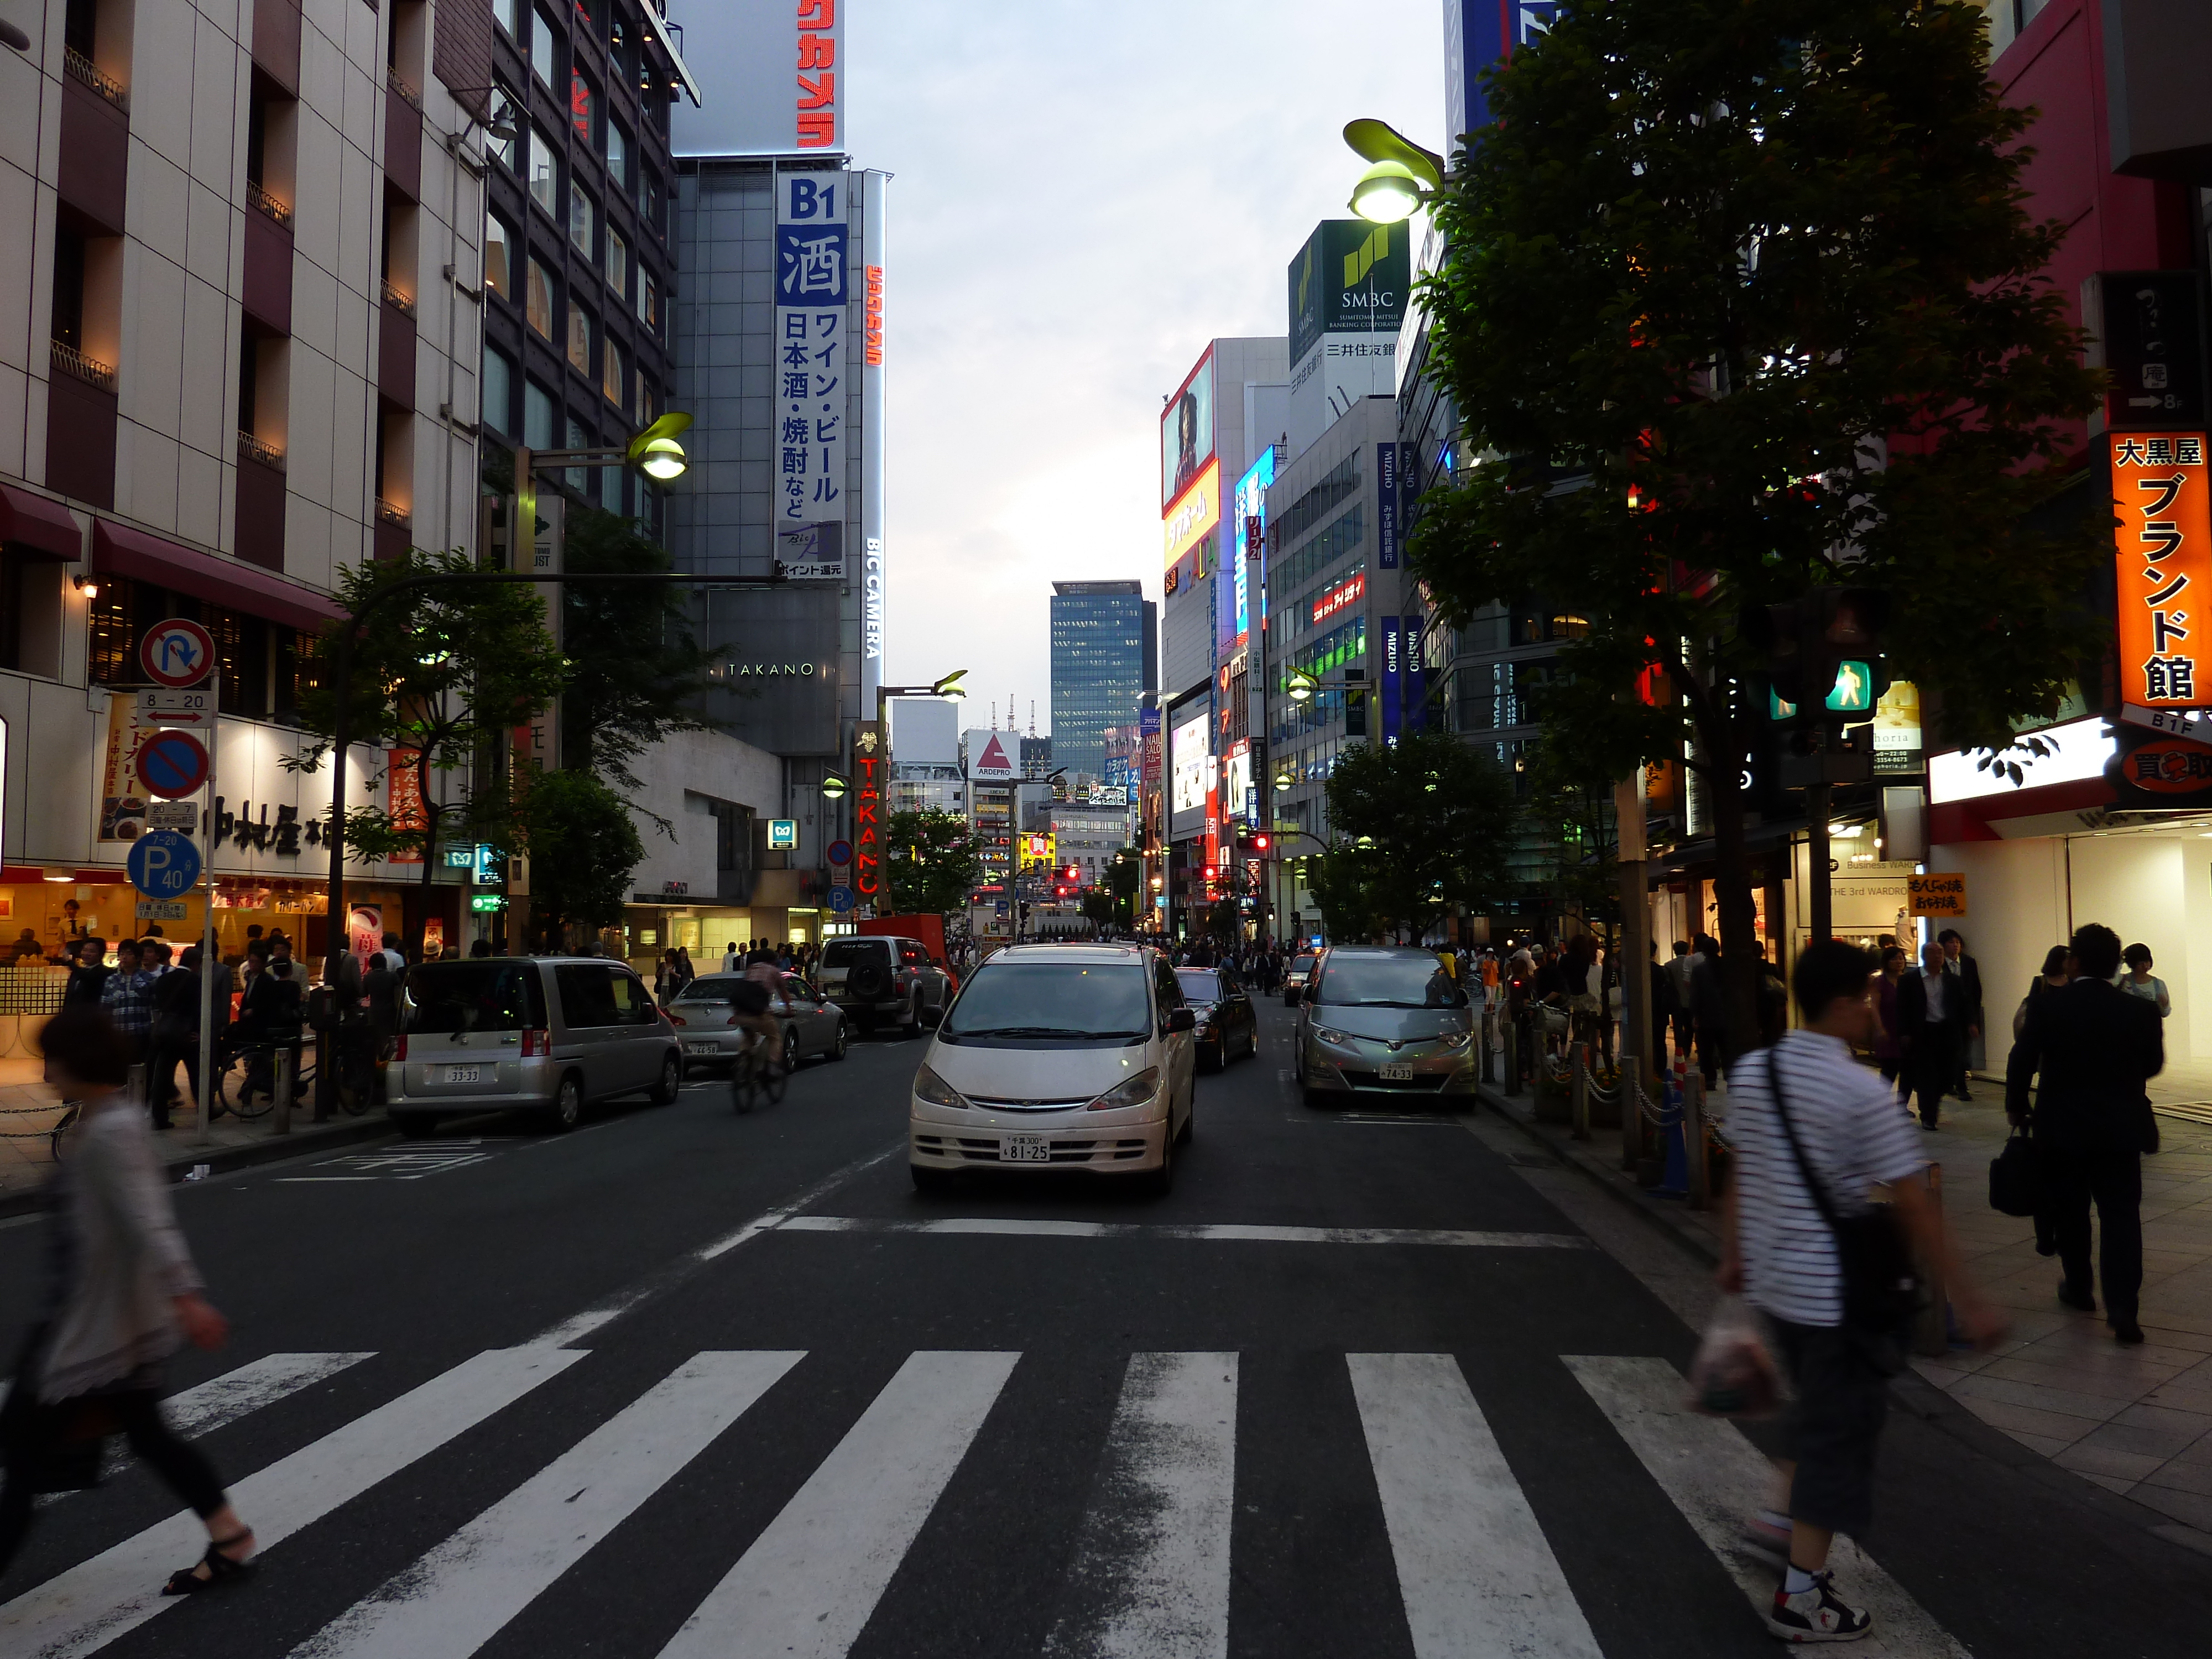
(1392, 982)
(1302, 965)
(475, 996)
(851, 952)
(1199, 985)
(711, 988)
(1076, 1000)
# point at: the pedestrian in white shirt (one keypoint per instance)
(1819, 1140)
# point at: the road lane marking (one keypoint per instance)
(1216, 1232)
(1150, 1578)
(464, 1591)
(1715, 1476)
(811, 1580)
(81, 1610)
(1476, 1573)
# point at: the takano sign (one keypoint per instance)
(1192, 513)
(868, 759)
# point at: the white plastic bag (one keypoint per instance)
(1734, 1373)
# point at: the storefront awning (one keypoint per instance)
(118, 551)
(39, 525)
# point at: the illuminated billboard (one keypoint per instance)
(1251, 510)
(1190, 758)
(1193, 513)
(1187, 433)
(2163, 540)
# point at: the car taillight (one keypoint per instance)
(675, 1019)
(536, 1045)
(400, 1052)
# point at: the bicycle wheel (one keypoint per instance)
(744, 1082)
(232, 1094)
(773, 1078)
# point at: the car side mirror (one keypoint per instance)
(1182, 1019)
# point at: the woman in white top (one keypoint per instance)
(2140, 981)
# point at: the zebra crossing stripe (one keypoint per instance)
(1715, 1477)
(209, 1406)
(1150, 1579)
(1477, 1577)
(81, 1610)
(461, 1593)
(811, 1579)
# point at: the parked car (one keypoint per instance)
(1228, 1024)
(885, 979)
(1295, 977)
(706, 1019)
(1057, 1057)
(1382, 1020)
(552, 1034)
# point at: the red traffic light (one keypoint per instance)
(1258, 843)
(1075, 874)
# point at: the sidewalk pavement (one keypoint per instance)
(2135, 1421)
(29, 1109)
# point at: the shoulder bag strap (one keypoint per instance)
(1812, 1187)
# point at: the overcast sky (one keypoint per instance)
(1086, 194)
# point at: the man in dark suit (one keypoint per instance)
(1932, 1025)
(1966, 973)
(2096, 1047)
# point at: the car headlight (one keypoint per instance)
(928, 1086)
(1135, 1092)
(1328, 1036)
(1453, 1039)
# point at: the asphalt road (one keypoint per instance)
(683, 1382)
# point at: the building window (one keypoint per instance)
(536, 415)
(611, 372)
(580, 338)
(499, 257)
(498, 401)
(649, 197)
(545, 172)
(583, 107)
(648, 409)
(583, 218)
(617, 155)
(538, 304)
(618, 263)
(545, 46)
(578, 478)
(503, 14)
(648, 302)
(505, 106)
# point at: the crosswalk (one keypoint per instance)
(1147, 1565)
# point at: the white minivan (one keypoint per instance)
(1059, 1057)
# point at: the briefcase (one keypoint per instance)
(2017, 1178)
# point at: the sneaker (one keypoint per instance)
(1817, 1614)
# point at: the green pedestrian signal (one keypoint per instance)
(1854, 689)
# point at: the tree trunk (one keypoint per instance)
(430, 816)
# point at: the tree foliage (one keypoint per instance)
(1125, 880)
(931, 862)
(1741, 301)
(1417, 826)
(634, 668)
(437, 675)
(583, 845)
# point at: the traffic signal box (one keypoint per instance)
(1355, 702)
(1824, 675)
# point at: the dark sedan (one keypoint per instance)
(1228, 1025)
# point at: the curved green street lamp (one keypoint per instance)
(1401, 177)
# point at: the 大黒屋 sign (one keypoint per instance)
(2164, 547)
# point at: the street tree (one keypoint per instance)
(583, 847)
(439, 675)
(1569, 810)
(1125, 878)
(931, 862)
(1740, 303)
(1416, 825)
(1100, 907)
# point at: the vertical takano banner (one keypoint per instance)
(870, 768)
(2163, 505)
(873, 597)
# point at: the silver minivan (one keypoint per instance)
(548, 1034)
(1382, 1020)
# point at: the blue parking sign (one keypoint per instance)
(164, 864)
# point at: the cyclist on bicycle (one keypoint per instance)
(751, 998)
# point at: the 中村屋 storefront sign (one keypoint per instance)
(1940, 893)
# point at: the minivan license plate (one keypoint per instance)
(465, 1074)
(1025, 1148)
(1396, 1073)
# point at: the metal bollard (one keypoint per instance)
(1579, 1103)
(283, 1084)
(1631, 1112)
(1489, 1046)
(1693, 1142)
(1509, 1039)
(1931, 1332)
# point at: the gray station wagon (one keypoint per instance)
(549, 1034)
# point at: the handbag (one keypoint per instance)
(1882, 1286)
(2017, 1178)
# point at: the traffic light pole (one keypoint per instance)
(1820, 895)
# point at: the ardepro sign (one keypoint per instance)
(1193, 513)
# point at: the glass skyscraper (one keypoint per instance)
(1104, 660)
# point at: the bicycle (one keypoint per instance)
(754, 1077)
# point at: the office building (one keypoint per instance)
(1104, 658)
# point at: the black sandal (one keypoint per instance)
(221, 1568)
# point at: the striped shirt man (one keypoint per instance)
(1854, 1135)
